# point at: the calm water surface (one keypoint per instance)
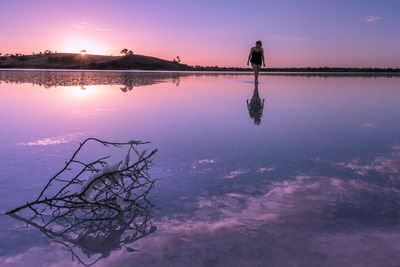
(303, 170)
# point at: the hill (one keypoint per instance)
(79, 61)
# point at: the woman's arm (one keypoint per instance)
(263, 59)
(248, 60)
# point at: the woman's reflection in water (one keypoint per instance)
(256, 106)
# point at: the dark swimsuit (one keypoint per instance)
(256, 57)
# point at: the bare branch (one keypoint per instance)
(101, 208)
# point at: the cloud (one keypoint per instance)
(371, 19)
(203, 161)
(103, 29)
(368, 126)
(292, 222)
(233, 174)
(396, 147)
(262, 170)
(312, 221)
(388, 165)
(79, 27)
(89, 26)
(56, 140)
(318, 221)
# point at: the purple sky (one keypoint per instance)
(359, 33)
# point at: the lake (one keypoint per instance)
(299, 170)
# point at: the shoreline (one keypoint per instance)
(143, 63)
(396, 73)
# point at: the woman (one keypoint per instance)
(256, 106)
(256, 57)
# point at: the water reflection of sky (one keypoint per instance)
(316, 182)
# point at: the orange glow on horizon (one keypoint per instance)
(82, 46)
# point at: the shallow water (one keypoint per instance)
(304, 174)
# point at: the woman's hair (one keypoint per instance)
(259, 43)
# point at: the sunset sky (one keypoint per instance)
(345, 33)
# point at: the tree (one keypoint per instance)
(130, 53)
(124, 51)
(177, 59)
(47, 52)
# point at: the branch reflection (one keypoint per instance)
(93, 215)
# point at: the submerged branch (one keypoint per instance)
(100, 208)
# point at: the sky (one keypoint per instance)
(295, 33)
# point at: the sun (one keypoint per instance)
(82, 46)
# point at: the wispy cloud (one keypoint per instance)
(367, 126)
(258, 228)
(233, 174)
(76, 26)
(51, 140)
(103, 29)
(371, 19)
(203, 161)
(388, 165)
(90, 26)
(262, 170)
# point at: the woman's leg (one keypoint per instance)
(255, 69)
(256, 72)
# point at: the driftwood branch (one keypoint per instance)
(100, 208)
